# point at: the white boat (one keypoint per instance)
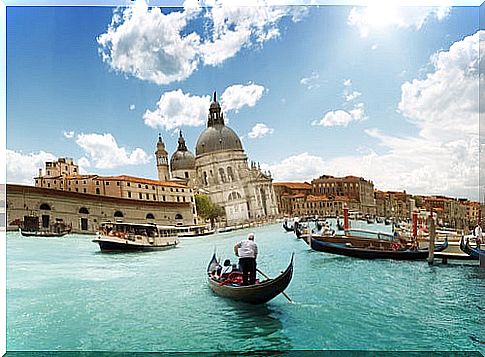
(129, 237)
(194, 231)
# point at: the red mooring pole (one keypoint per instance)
(346, 217)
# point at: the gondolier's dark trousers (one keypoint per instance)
(248, 267)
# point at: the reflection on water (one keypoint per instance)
(256, 326)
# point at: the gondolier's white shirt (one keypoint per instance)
(247, 249)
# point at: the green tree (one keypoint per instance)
(207, 209)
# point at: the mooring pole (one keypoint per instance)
(346, 217)
(432, 233)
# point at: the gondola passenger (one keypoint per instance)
(226, 269)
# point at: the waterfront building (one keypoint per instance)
(286, 194)
(84, 212)
(450, 211)
(222, 171)
(394, 204)
(352, 187)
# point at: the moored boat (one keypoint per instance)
(259, 293)
(474, 252)
(288, 228)
(43, 234)
(130, 237)
(194, 231)
(349, 250)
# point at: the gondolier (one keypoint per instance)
(247, 251)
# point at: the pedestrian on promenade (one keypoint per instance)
(247, 251)
(477, 232)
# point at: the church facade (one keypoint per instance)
(220, 169)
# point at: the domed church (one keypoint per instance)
(220, 169)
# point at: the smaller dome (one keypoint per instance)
(182, 160)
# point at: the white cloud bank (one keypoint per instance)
(102, 152)
(442, 158)
(379, 15)
(163, 48)
(260, 130)
(22, 168)
(176, 108)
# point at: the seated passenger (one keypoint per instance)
(226, 269)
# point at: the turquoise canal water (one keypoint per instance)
(63, 294)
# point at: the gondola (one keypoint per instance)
(287, 228)
(369, 253)
(259, 293)
(468, 249)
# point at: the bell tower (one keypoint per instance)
(162, 161)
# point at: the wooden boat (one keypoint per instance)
(471, 251)
(258, 293)
(43, 234)
(370, 253)
(132, 237)
(288, 228)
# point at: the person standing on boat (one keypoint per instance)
(477, 232)
(247, 251)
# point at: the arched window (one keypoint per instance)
(222, 174)
(230, 174)
(150, 216)
(234, 196)
(97, 190)
(118, 214)
(178, 216)
(45, 206)
(83, 210)
(205, 178)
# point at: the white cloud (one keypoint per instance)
(379, 15)
(175, 109)
(68, 134)
(260, 130)
(351, 96)
(373, 47)
(237, 96)
(22, 168)
(311, 82)
(132, 107)
(103, 152)
(442, 158)
(143, 42)
(343, 117)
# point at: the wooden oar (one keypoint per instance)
(267, 277)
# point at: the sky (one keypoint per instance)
(386, 93)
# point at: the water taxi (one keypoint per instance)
(129, 237)
(194, 231)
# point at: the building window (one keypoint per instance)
(139, 185)
(45, 206)
(146, 186)
(150, 216)
(186, 174)
(48, 172)
(75, 170)
(84, 182)
(140, 196)
(230, 175)
(83, 210)
(148, 196)
(84, 190)
(129, 194)
(97, 190)
(117, 183)
(107, 183)
(178, 216)
(164, 198)
(54, 182)
(77, 189)
(153, 187)
(48, 184)
(118, 214)
(154, 197)
(97, 183)
(128, 184)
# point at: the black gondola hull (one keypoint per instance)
(253, 294)
(363, 253)
(472, 252)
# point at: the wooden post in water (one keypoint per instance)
(432, 233)
(346, 217)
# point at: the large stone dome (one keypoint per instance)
(182, 159)
(217, 138)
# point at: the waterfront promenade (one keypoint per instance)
(63, 294)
